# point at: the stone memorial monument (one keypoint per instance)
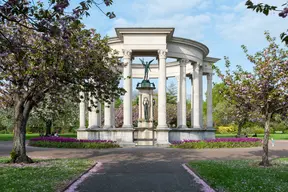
(145, 129)
(189, 59)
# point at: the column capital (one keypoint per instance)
(183, 62)
(197, 66)
(127, 53)
(162, 53)
(209, 76)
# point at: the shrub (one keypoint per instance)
(227, 129)
(62, 142)
(4, 132)
(217, 143)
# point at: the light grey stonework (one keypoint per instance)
(192, 60)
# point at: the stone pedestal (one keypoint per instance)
(162, 137)
(145, 89)
(123, 136)
(190, 134)
(144, 136)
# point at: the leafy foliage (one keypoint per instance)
(266, 9)
(265, 90)
(45, 51)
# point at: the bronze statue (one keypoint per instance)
(146, 108)
(146, 66)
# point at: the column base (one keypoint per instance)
(127, 126)
(196, 127)
(94, 127)
(162, 137)
(82, 128)
(182, 126)
(107, 126)
(162, 127)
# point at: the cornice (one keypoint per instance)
(192, 43)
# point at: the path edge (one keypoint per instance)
(198, 179)
(74, 183)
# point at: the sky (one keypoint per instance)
(222, 25)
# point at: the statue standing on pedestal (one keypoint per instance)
(146, 108)
(147, 67)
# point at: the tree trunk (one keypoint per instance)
(240, 125)
(265, 161)
(48, 127)
(18, 154)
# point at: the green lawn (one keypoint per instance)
(274, 136)
(243, 175)
(43, 176)
(9, 137)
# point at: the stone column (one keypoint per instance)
(196, 96)
(113, 114)
(127, 106)
(98, 119)
(201, 94)
(191, 98)
(209, 101)
(93, 115)
(82, 111)
(179, 110)
(162, 124)
(107, 115)
(183, 63)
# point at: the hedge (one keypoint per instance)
(62, 142)
(218, 143)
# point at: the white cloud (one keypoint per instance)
(246, 26)
(190, 26)
(168, 13)
(163, 7)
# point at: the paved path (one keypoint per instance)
(144, 169)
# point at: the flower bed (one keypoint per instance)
(218, 143)
(62, 142)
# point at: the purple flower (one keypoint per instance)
(218, 140)
(71, 140)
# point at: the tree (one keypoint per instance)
(48, 52)
(50, 112)
(171, 94)
(236, 99)
(265, 9)
(266, 88)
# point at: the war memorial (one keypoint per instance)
(192, 61)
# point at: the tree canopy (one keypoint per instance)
(47, 52)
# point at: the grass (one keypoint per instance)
(274, 136)
(243, 175)
(9, 137)
(44, 176)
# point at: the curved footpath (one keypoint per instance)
(145, 168)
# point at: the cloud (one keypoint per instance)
(190, 26)
(181, 14)
(153, 8)
(245, 26)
